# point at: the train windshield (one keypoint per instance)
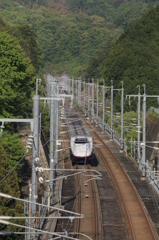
(81, 140)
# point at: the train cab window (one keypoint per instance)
(81, 140)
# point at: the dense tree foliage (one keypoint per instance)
(73, 33)
(134, 57)
(68, 41)
(45, 122)
(17, 81)
(16, 74)
(30, 3)
(28, 40)
(9, 185)
(96, 64)
(13, 147)
(3, 24)
(120, 12)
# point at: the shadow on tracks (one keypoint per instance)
(93, 162)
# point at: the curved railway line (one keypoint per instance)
(112, 209)
(139, 224)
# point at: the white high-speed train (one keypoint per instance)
(81, 141)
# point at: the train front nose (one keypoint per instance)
(82, 150)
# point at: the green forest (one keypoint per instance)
(72, 33)
(112, 40)
(20, 63)
(134, 60)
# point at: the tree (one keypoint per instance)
(9, 207)
(13, 147)
(16, 74)
(28, 40)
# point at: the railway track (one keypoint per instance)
(138, 222)
(81, 197)
(87, 205)
(84, 195)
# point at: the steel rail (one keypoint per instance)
(96, 222)
(95, 209)
(132, 186)
(79, 202)
(119, 192)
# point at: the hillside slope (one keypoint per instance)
(134, 57)
(119, 12)
(73, 32)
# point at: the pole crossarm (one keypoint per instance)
(54, 98)
(18, 120)
(65, 95)
(134, 95)
(155, 96)
(51, 98)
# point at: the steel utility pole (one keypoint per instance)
(144, 132)
(35, 157)
(69, 85)
(72, 86)
(103, 106)
(92, 98)
(84, 96)
(144, 137)
(122, 116)
(97, 98)
(134, 149)
(131, 146)
(112, 109)
(57, 126)
(88, 94)
(52, 119)
(122, 113)
(138, 113)
(144, 128)
(30, 198)
(80, 92)
(77, 92)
